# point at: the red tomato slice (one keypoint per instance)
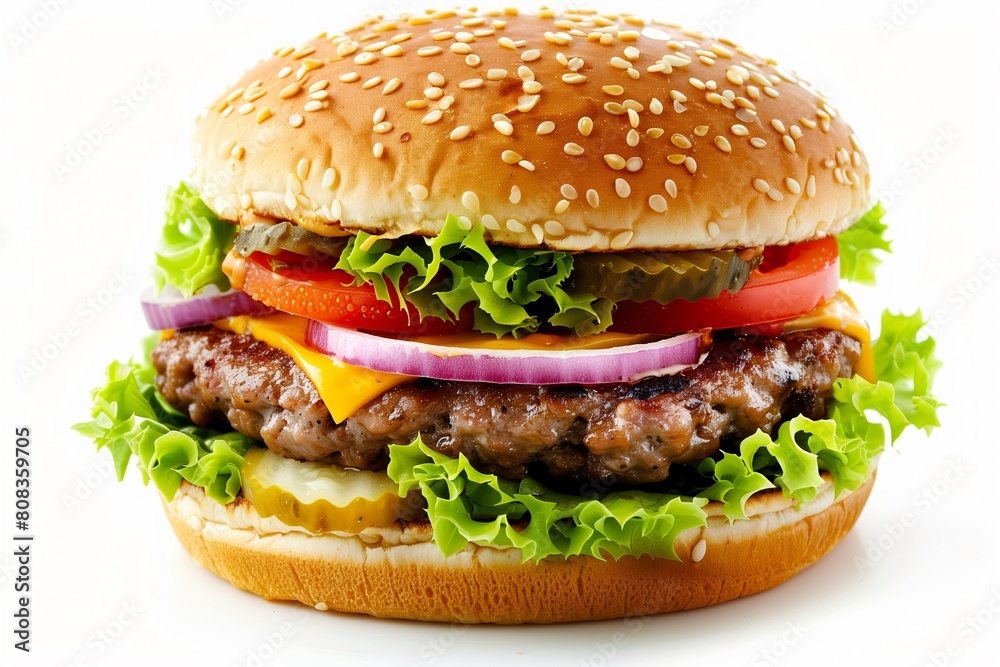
(303, 287)
(790, 281)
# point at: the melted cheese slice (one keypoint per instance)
(344, 388)
(840, 314)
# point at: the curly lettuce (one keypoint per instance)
(466, 506)
(193, 244)
(860, 247)
(131, 418)
(514, 290)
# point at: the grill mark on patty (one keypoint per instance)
(616, 433)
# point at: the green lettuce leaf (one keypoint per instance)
(860, 246)
(465, 506)
(130, 417)
(513, 290)
(193, 244)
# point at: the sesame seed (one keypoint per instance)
(633, 72)
(658, 203)
(254, 94)
(329, 178)
(469, 84)
(771, 92)
(616, 162)
(546, 127)
(504, 127)
(466, 37)
(433, 93)
(678, 107)
(290, 90)
(575, 64)
(461, 48)
(525, 73)
(527, 102)
(760, 185)
(349, 77)
(633, 117)
(633, 164)
(614, 108)
(562, 59)
(313, 105)
(495, 74)
(757, 142)
(746, 115)
(345, 49)
(516, 226)
(507, 43)
(670, 187)
(739, 130)
(511, 157)
(365, 58)
(295, 120)
(593, 198)
(227, 147)
(392, 85)
(793, 186)
(573, 149)
(515, 194)
(284, 71)
(531, 87)
(470, 200)
(789, 143)
(378, 150)
(561, 206)
(723, 144)
(384, 127)
(526, 165)
(620, 63)
(372, 82)
(632, 139)
(264, 114)
(613, 90)
(378, 116)
(460, 132)
(622, 188)
(537, 232)
(676, 158)
(554, 227)
(690, 164)
(302, 169)
(701, 130)
(622, 239)
(713, 231)
(497, 117)
(811, 186)
(632, 53)
(490, 223)
(319, 95)
(432, 117)
(416, 104)
(778, 125)
(429, 51)
(573, 78)
(795, 131)
(654, 132)
(568, 191)
(775, 194)
(731, 212)
(697, 83)
(585, 125)
(531, 55)
(680, 141)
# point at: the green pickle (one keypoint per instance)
(661, 276)
(319, 497)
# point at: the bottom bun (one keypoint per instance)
(399, 572)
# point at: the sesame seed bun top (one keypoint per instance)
(576, 131)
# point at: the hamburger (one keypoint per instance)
(506, 317)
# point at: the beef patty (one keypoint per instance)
(615, 433)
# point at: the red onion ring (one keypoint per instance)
(627, 363)
(177, 313)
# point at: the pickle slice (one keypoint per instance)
(268, 238)
(661, 276)
(319, 497)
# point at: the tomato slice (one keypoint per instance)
(300, 286)
(790, 281)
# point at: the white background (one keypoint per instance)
(916, 79)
